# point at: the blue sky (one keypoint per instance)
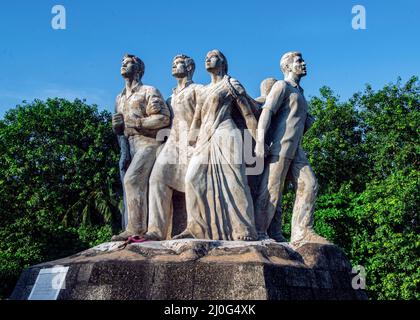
(84, 60)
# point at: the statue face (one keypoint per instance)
(213, 61)
(179, 69)
(128, 68)
(298, 66)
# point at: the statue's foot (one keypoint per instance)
(184, 235)
(151, 237)
(123, 236)
(245, 237)
(311, 237)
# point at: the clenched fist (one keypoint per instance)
(118, 123)
(154, 107)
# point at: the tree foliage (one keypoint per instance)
(58, 181)
(365, 154)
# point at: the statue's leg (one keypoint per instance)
(306, 187)
(262, 204)
(136, 182)
(241, 212)
(196, 198)
(269, 194)
(160, 208)
(275, 229)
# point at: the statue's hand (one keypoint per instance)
(117, 123)
(138, 124)
(192, 142)
(261, 150)
(192, 138)
(190, 151)
(153, 108)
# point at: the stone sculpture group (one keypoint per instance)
(195, 142)
(230, 155)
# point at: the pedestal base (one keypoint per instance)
(199, 269)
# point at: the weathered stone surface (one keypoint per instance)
(201, 269)
(328, 257)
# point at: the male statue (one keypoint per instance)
(140, 113)
(170, 168)
(286, 110)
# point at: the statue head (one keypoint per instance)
(293, 63)
(266, 86)
(132, 67)
(183, 66)
(215, 60)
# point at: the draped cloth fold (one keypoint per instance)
(218, 198)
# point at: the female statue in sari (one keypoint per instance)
(218, 198)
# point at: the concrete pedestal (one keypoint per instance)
(199, 269)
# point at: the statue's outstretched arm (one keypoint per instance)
(272, 104)
(248, 114)
(195, 125)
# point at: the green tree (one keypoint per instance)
(59, 183)
(333, 143)
(365, 154)
(386, 238)
(391, 125)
